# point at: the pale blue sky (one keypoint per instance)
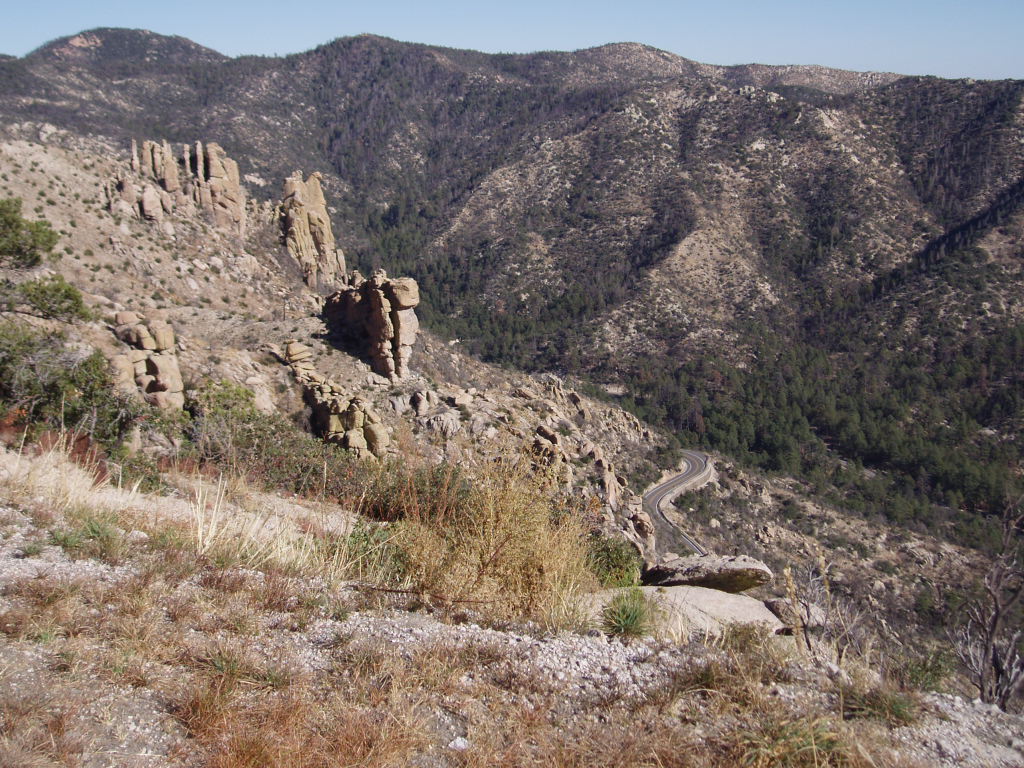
(983, 39)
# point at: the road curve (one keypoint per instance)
(697, 471)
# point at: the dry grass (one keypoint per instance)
(220, 583)
(63, 486)
(506, 548)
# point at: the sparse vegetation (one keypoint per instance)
(614, 561)
(270, 601)
(47, 383)
(630, 613)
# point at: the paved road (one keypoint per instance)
(697, 471)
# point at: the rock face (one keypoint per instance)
(380, 313)
(350, 422)
(728, 574)
(160, 182)
(683, 612)
(151, 367)
(306, 229)
(222, 192)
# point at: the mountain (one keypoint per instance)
(815, 271)
(255, 524)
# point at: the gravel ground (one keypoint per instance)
(576, 676)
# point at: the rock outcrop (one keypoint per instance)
(350, 422)
(161, 181)
(548, 449)
(307, 233)
(380, 313)
(728, 574)
(151, 367)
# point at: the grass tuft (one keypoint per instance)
(630, 613)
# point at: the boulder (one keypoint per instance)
(167, 401)
(137, 336)
(123, 372)
(163, 335)
(150, 205)
(295, 352)
(403, 292)
(165, 372)
(447, 423)
(355, 440)
(377, 439)
(548, 434)
(420, 404)
(682, 612)
(728, 574)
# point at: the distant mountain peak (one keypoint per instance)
(107, 44)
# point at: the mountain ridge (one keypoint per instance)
(131, 41)
(631, 215)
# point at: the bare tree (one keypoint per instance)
(989, 642)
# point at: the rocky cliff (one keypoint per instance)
(307, 233)
(380, 310)
(198, 177)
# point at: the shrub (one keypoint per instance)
(48, 297)
(613, 561)
(23, 243)
(500, 542)
(894, 707)
(630, 613)
(44, 382)
(923, 673)
(795, 743)
(441, 493)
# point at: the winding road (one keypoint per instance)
(697, 472)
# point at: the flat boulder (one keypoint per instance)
(681, 613)
(728, 574)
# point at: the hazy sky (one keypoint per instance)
(983, 39)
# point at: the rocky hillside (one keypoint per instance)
(192, 286)
(692, 237)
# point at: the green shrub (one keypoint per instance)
(894, 707)
(793, 743)
(91, 537)
(613, 561)
(630, 613)
(45, 383)
(23, 243)
(136, 470)
(48, 297)
(924, 673)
